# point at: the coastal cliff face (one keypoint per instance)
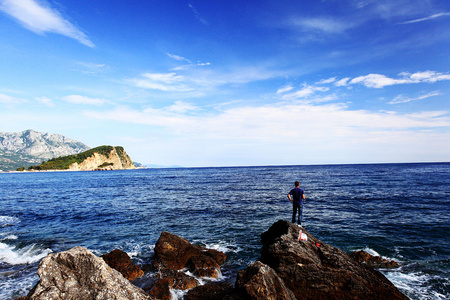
(116, 159)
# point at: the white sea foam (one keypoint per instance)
(415, 284)
(29, 254)
(224, 246)
(8, 221)
(9, 237)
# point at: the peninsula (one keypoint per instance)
(99, 158)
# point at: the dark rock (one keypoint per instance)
(120, 261)
(375, 262)
(178, 280)
(203, 266)
(79, 274)
(260, 282)
(161, 289)
(314, 270)
(174, 252)
(212, 291)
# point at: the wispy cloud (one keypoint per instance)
(197, 14)
(434, 16)
(77, 99)
(380, 81)
(5, 99)
(402, 99)
(168, 82)
(42, 18)
(46, 101)
(322, 24)
(178, 58)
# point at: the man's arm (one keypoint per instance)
(303, 196)
(289, 197)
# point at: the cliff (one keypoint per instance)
(23, 149)
(99, 158)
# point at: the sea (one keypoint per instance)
(398, 211)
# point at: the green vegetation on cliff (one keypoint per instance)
(63, 163)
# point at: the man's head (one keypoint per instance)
(297, 184)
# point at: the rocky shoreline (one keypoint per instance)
(293, 265)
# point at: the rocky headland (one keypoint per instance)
(99, 158)
(293, 265)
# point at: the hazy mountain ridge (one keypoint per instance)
(29, 147)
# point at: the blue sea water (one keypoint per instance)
(397, 211)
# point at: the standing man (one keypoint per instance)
(297, 195)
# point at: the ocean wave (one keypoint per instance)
(9, 237)
(8, 221)
(26, 255)
(416, 285)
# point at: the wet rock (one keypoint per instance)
(260, 282)
(314, 270)
(120, 261)
(375, 262)
(203, 266)
(160, 289)
(212, 291)
(79, 274)
(174, 252)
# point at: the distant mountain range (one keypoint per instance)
(29, 147)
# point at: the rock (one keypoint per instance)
(120, 261)
(260, 282)
(79, 274)
(212, 291)
(161, 289)
(178, 280)
(203, 266)
(176, 253)
(314, 270)
(375, 262)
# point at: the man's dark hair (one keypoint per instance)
(297, 183)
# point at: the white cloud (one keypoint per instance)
(5, 99)
(197, 14)
(39, 18)
(324, 133)
(169, 82)
(77, 99)
(178, 58)
(342, 82)
(304, 92)
(285, 89)
(322, 24)
(380, 81)
(402, 99)
(434, 16)
(46, 101)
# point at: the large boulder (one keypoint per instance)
(79, 274)
(120, 261)
(176, 253)
(212, 291)
(312, 269)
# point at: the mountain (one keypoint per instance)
(23, 149)
(99, 158)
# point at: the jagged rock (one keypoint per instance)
(260, 282)
(314, 270)
(375, 262)
(79, 274)
(120, 261)
(176, 253)
(178, 280)
(212, 291)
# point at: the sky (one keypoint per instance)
(232, 83)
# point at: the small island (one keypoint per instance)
(98, 159)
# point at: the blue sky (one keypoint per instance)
(232, 83)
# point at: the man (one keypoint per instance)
(297, 195)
